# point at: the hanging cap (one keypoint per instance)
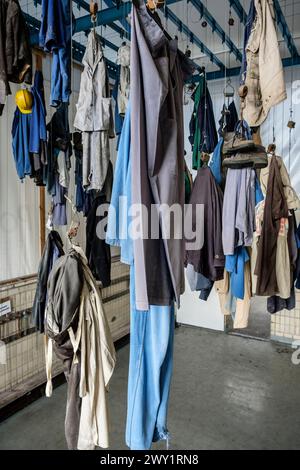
(24, 101)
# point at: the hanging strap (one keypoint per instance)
(75, 342)
(76, 338)
(48, 357)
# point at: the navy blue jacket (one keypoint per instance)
(20, 143)
(38, 130)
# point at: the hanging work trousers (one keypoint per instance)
(61, 76)
(151, 332)
(150, 373)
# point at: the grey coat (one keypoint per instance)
(238, 209)
(94, 107)
(157, 79)
(209, 260)
(76, 323)
(94, 115)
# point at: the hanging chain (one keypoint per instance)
(291, 124)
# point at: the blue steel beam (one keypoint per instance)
(192, 38)
(111, 3)
(126, 33)
(109, 15)
(104, 17)
(216, 27)
(236, 5)
(82, 4)
(78, 52)
(235, 71)
(122, 32)
(285, 29)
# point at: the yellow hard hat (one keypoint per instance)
(24, 101)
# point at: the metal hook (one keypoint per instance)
(228, 91)
(93, 12)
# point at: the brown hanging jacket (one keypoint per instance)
(275, 209)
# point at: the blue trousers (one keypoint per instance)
(150, 373)
(61, 76)
(20, 143)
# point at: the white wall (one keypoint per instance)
(196, 312)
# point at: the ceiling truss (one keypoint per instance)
(117, 12)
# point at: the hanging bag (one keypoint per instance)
(238, 141)
(240, 151)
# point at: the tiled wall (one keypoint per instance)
(285, 325)
(24, 347)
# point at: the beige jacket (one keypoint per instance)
(264, 76)
(283, 265)
(97, 362)
(242, 309)
(97, 365)
(291, 196)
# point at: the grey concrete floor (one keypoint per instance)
(228, 392)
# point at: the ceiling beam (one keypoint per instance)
(236, 5)
(193, 38)
(122, 32)
(109, 15)
(285, 31)
(82, 4)
(123, 21)
(291, 61)
(235, 71)
(104, 17)
(216, 28)
(79, 49)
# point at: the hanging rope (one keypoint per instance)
(153, 5)
(291, 124)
